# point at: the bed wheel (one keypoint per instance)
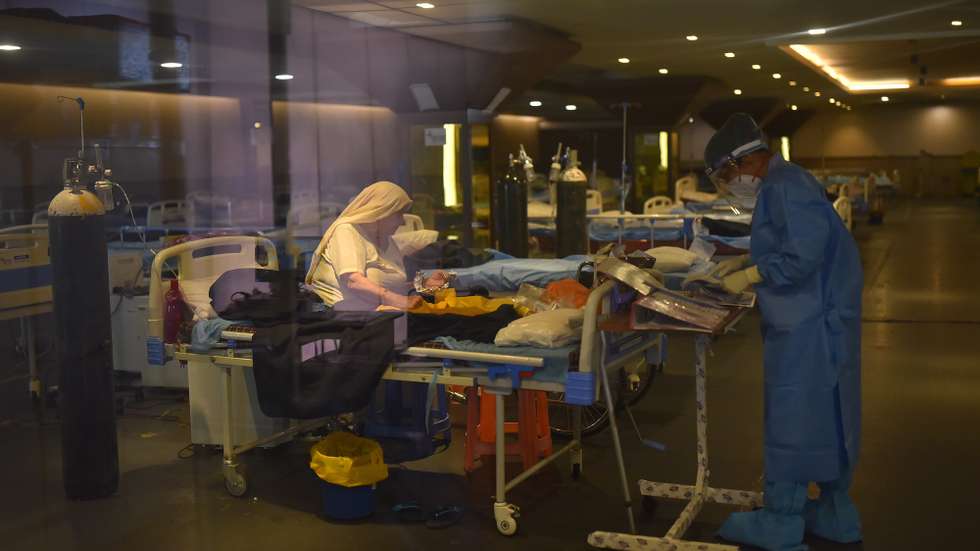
(649, 504)
(235, 481)
(505, 516)
(576, 471)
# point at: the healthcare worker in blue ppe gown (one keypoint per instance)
(806, 270)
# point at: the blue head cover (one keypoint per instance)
(738, 137)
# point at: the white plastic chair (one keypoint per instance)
(657, 203)
(413, 222)
(683, 185)
(843, 207)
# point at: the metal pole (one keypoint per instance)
(500, 448)
(617, 446)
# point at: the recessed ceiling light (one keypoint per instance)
(729, 55)
(534, 103)
(848, 107)
(816, 94)
(792, 83)
(284, 76)
(757, 66)
(257, 124)
(571, 107)
(738, 92)
(884, 98)
(425, 5)
(793, 107)
(956, 23)
(692, 37)
(816, 32)
(806, 88)
(832, 100)
(623, 60)
(171, 65)
(777, 76)
(690, 120)
(663, 70)
(9, 47)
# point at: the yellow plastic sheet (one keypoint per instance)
(448, 303)
(348, 460)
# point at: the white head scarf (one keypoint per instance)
(375, 202)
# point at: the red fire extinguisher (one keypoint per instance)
(173, 316)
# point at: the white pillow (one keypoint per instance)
(197, 295)
(411, 242)
(548, 329)
(673, 259)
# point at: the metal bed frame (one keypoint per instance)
(446, 366)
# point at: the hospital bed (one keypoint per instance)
(223, 396)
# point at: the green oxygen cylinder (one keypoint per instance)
(79, 262)
(571, 223)
(509, 212)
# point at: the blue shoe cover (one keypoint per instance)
(778, 526)
(833, 517)
(764, 529)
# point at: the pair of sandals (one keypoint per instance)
(442, 517)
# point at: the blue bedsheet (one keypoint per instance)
(610, 232)
(508, 274)
(736, 242)
(556, 364)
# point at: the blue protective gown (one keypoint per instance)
(810, 300)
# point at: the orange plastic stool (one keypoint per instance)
(532, 428)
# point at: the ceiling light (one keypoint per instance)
(792, 83)
(534, 103)
(853, 86)
(171, 65)
(623, 60)
(848, 107)
(757, 66)
(793, 107)
(690, 120)
(961, 81)
(956, 23)
(777, 76)
(832, 100)
(806, 88)
(738, 92)
(729, 55)
(425, 5)
(9, 47)
(257, 125)
(816, 32)
(284, 76)
(884, 98)
(663, 70)
(817, 94)
(571, 107)
(692, 37)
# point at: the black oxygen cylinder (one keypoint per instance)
(571, 224)
(510, 212)
(79, 262)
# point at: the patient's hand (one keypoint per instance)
(437, 279)
(403, 302)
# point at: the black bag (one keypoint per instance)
(261, 296)
(355, 349)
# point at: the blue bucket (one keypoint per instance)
(343, 503)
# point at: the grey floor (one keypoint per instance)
(917, 483)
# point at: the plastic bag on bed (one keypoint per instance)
(550, 329)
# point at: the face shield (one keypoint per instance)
(737, 189)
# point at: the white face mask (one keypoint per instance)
(744, 188)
